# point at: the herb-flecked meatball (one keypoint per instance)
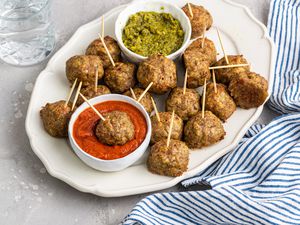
(160, 129)
(117, 129)
(83, 67)
(219, 103)
(208, 52)
(224, 75)
(201, 19)
(89, 92)
(55, 117)
(197, 70)
(168, 161)
(200, 132)
(161, 71)
(121, 77)
(185, 105)
(97, 48)
(145, 101)
(249, 90)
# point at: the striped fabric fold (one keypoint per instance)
(284, 26)
(259, 181)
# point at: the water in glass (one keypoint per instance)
(26, 32)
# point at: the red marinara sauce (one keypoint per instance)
(84, 126)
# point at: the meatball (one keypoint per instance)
(145, 101)
(121, 77)
(117, 129)
(89, 92)
(208, 52)
(168, 161)
(198, 70)
(200, 132)
(201, 19)
(160, 130)
(83, 67)
(161, 71)
(97, 48)
(185, 105)
(248, 90)
(224, 75)
(219, 103)
(55, 117)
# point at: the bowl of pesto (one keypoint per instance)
(145, 28)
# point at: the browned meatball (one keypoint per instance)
(55, 117)
(145, 101)
(83, 67)
(160, 130)
(168, 161)
(197, 69)
(97, 48)
(117, 129)
(208, 52)
(89, 92)
(249, 90)
(200, 132)
(185, 105)
(224, 75)
(161, 71)
(121, 77)
(201, 19)
(219, 103)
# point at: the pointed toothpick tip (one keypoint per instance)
(132, 93)
(214, 80)
(155, 109)
(222, 46)
(107, 51)
(190, 10)
(185, 81)
(203, 98)
(71, 92)
(76, 95)
(170, 129)
(228, 66)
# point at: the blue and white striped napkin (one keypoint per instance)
(258, 182)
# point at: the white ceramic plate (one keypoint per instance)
(241, 33)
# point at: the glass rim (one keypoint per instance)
(27, 17)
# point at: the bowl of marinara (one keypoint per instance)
(103, 157)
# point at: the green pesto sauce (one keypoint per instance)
(148, 33)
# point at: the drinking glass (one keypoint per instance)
(26, 31)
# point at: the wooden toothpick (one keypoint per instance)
(203, 98)
(107, 52)
(228, 66)
(170, 129)
(93, 108)
(142, 95)
(190, 10)
(185, 81)
(76, 95)
(214, 80)
(222, 46)
(71, 92)
(132, 93)
(155, 109)
(96, 79)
